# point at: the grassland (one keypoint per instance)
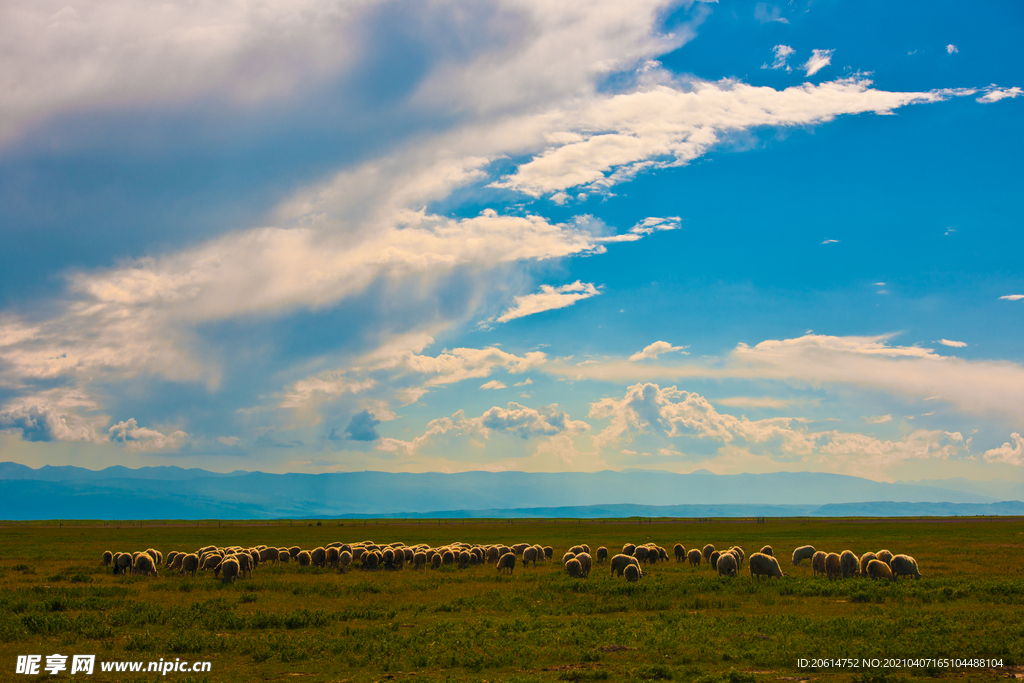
(310, 625)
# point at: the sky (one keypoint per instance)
(297, 236)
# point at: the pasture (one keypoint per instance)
(678, 623)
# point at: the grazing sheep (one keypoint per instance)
(189, 564)
(574, 568)
(620, 562)
(318, 557)
(740, 555)
(680, 552)
(108, 557)
(864, 559)
(464, 559)
(332, 556)
(144, 565)
(170, 557)
(904, 565)
(641, 553)
(230, 569)
(294, 551)
(548, 552)
(344, 560)
(304, 558)
(804, 552)
(283, 556)
(632, 573)
(695, 557)
(602, 555)
(419, 560)
(653, 555)
(530, 555)
(628, 549)
(576, 550)
(268, 555)
(767, 550)
(507, 561)
(884, 556)
(209, 561)
(492, 554)
(880, 570)
(727, 564)
(713, 560)
(176, 562)
(833, 566)
(818, 562)
(764, 565)
(585, 562)
(388, 555)
(409, 554)
(435, 561)
(538, 548)
(357, 552)
(448, 557)
(708, 549)
(568, 556)
(586, 548)
(370, 560)
(849, 565)
(518, 548)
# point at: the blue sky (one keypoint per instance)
(401, 236)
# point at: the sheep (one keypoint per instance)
(586, 548)
(157, 556)
(144, 565)
(108, 557)
(727, 564)
(538, 548)
(419, 560)
(409, 554)
(764, 565)
(653, 555)
(530, 555)
(318, 557)
(713, 560)
(740, 555)
(388, 555)
(268, 555)
(620, 562)
(833, 566)
(904, 565)
(209, 561)
(804, 552)
(585, 562)
(170, 558)
(294, 551)
(344, 560)
(357, 552)
(695, 557)
(332, 556)
(518, 548)
(283, 556)
(818, 562)
(574, 568)
(680, 552)
(568, 556)
(767, 550)
(176, 562)
(864, 559)
(577, 549)
(230, 568)
(189, 564)
(507, 561)
(884, 556)
(464, 558)
(602, 555)
(492, 554)
(641, 552)
(848, 564)
(708, 549)
(628, 549)
(548, 552)
(632, 573)
(244, 563)
(880, 570)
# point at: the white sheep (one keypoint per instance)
(833, 566)
(229, 567)
(818, 562)
(680, 552)
(189, 564)
(507, 561)
(108, 557)
(695, 557)
(602, 555)
(633, 573)
(864, 559)
(764, 565)
(727, 564)
(621, 561)
(904, 565)
(849, 565)
(585, 562)
(574, 568)
(884, 556)
(880, 570)
(530, 555)
(708, 549)
(804, 552)
(144, 564)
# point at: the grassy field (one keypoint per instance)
(679, 623)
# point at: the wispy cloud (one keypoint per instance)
(493, 384)
(766, 13)
(548, 299)
(831, 242)
(1013, 297)
(656, 349)
(819, 60)
(955, 344)
(782, 54)
(878, 419)
(994, 93)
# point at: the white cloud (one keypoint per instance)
(548, 299)
(229, 440)
(1013, 297)
(994, 94)
(951, 48)
(465, 363)
(138, 438)
(766, 13)
(656, 349)
(819, 60)
(782, 53)
(493, 384)
(831, 242)
(954, 344)
(324, 387)
(753, 402)
(1011, 452)
(523, 383)
(878, 419)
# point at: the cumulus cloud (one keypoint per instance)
(43, 423)
(766, 13)
(782, 53)
(362, 427)
(656, 349)
(548, 299)
(878, 419)
(951, 49)
(994, 93)
(493, 384)
(136, 438)
(1011, 452)
(954, 344)
(458, 364)
(819, 60)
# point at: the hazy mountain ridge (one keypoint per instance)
(175, 493)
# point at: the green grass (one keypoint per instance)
(678, 624)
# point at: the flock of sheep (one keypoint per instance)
(233, 562)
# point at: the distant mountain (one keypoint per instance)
(996, 488)
(175, 493)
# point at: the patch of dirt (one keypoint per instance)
(614, 648)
